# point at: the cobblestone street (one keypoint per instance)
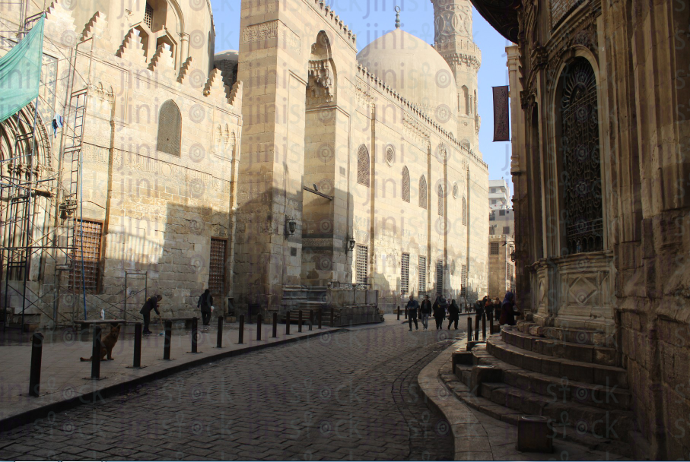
(346, 395)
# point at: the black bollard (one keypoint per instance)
(241, 329)
(320, 316)
(136, 361)
(469, 328)
(194, 333)
(299, 321)
(405, 313)
(96, 353)
(311, 319)
(168, 340)
(258, 327)
(484, 326)
(275, 325)
(287, 322)
(35, 374)
(491, 324)
(476, 328)
(398, 313)
(219, 340)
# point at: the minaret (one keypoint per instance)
(453, 40)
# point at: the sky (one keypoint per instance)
(370, 19)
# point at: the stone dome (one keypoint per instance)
(417, 71)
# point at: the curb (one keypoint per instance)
(24, 418)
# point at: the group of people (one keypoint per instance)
(440, 310)
(205, 304)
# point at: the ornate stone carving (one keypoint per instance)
(258, 32)
(321, 85)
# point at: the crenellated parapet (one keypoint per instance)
(338, 24)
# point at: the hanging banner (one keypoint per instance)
(501, 114)
(20, 72)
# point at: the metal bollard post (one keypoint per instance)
(219, 339)
(405, 313)
(398, 313)
(484, 326)
(469, 328)
(275, 325)
(320, 317)
(287, 322)
(96, 353)
(299, 321)
(491, 324)
(258, 326)
(35, 374)
(194, 332)
(311, 319)
(241, 329)
(476, 328)
(136, 361)
(168, 340)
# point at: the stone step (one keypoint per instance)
(574, 371)
(570, 335)
(566, 350)
(568, 432)
(576, 393)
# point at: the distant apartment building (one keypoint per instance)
(501, 240)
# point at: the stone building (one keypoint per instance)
(499, 194)
(356, 167)
(600, 124)
(145, 165)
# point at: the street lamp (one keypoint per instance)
(290, 226)
(351, 244)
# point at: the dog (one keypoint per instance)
(107, 343)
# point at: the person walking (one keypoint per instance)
(151, 304)
(439, 312)
(453, 314)
(479, 307)
(205, 303)
(508, 310)
(496, 309)
(425, 311)
(412, 308)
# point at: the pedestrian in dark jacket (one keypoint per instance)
(412, 308)
(508, 310)
(479, 307)
(425, 311)
(205, 303)
(151, 304)
(439, 313)
(453, 314)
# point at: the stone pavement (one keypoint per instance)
(65, 379)
(478, 436)
(350, 394)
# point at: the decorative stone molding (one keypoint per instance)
(321, 84)
(259, 32)
(132, 50)
(162, 59)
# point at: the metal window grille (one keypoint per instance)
(87, 245)
(363, 166)
(463, 280)
(169, 129)
(422, 275)
(216, 267)
(502, 212)
(406, 185)
(422, 192)
(148, 16)
(405, 273)
(506, 230)
(390, 154)
(440, 200)
(492, 216)
(439, 277)
(494, 248)
(362, 260)
(464, 212)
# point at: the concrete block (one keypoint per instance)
(533, 434)
(484, 374)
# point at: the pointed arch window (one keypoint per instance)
(466, 96)
(440, 200)
(580, 161)
(464, 211)
(363, 166)
(422, 192)
(169, 129)
(406, 185)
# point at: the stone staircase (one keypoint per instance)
(572, 377)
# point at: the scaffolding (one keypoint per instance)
(41, 222)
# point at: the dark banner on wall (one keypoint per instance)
(501, 117)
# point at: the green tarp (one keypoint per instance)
(20, 72)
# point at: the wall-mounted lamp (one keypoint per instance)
(290, 226)
(351, 244)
